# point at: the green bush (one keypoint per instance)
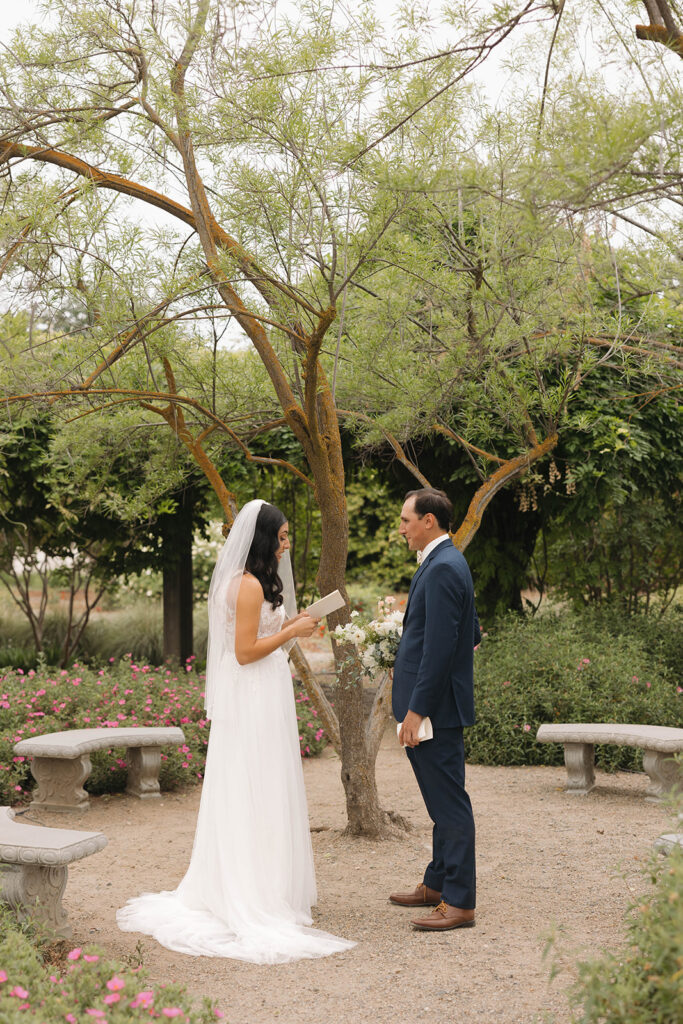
(570, 668)
(643, 982)
(84, 987)
(123, 693)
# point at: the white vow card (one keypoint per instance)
(329, 603)
(425, 731)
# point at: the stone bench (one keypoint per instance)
(61, 762)
(669, 842)
(34, 868)
(658, 742)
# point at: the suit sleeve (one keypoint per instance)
(444, 600)
(477, 629)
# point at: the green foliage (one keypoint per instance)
(571, 668)
(612, 531)
(83, 985)
(377, 554)
(642, 983)
(124, 693)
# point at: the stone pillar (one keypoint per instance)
(60, 783)
(36, 891)
(666, 775)
(143, 772)
(579, 759)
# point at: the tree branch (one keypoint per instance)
(510, 470)
(400, 454)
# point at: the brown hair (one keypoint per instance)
(429, 499)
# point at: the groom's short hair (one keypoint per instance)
(429, 499)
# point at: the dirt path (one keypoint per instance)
(544, 859)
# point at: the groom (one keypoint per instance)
(433, 677)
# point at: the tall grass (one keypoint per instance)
(136, 629)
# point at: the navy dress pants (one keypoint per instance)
(439, 766)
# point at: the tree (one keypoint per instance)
(298, 167)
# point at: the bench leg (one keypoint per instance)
(666, 775)
(143, 772)
(579, 759)
(36, 892)
(60, 783)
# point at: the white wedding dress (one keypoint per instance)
(250, 885)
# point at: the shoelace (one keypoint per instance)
(442, 909)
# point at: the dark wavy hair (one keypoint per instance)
(261, 560)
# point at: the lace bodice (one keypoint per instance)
(271, 619)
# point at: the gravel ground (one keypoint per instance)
(546, 861)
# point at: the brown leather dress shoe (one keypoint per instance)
(422, 897)
(444, 917)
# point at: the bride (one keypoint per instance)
(248, 890)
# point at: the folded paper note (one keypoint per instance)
(329, 603)
(425, 732)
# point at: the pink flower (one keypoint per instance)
(527, 728)
(71, 1019)
(3, 976)
(95, 1013)
(91, 958)
(172, 1011)
(506, 683)
(648, 685)
(113, 997)
(143, 999)
(115, 984)
(74, 954)
(18, 991)
(634, 679)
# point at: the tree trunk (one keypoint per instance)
(177, 573)
(365, 816)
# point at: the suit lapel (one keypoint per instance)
(420, 569)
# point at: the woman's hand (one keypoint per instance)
(303, 625)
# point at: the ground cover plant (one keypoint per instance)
(123, 693)
(572, 668)
(47, 981)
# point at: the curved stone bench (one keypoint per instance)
(658, 743)
(35, 863)
(61, 762)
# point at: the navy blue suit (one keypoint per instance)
(433, 675)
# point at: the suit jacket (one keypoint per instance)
(433, 671)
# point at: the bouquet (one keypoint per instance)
(377, 640)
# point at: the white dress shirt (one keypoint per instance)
(421, 555)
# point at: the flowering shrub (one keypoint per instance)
(643, 982)
(567, 668)
(377, 640)
(122, 694)
(88, 989)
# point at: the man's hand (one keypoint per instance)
(408, 734)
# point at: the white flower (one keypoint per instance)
(354, 614)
